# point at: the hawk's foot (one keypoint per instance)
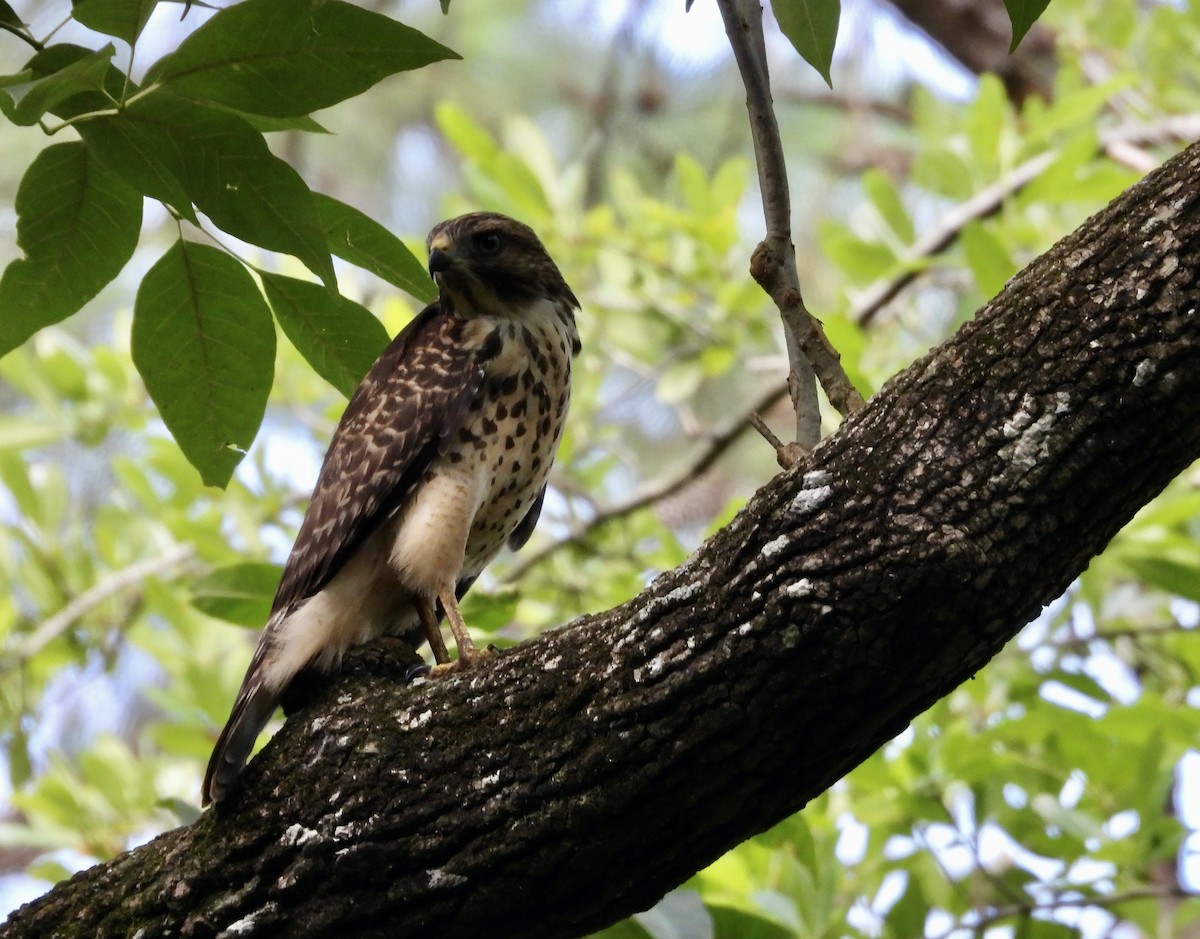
(469, 658)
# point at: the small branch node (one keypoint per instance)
(786, 454)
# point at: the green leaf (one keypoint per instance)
(361, 240)
(339, 338)
(239, 594)
(77, 224)
(730, 923)
(59, 58)
(464, 133)
(271, 125)
(626, 928)
(987, 257)
(204, 343)
(863, 261)
(8, 16)
(284, 58)
(1023, 13)
(121, 18)
(183, 153)
(1168, 575)
(25, 102)
(883, 195)
(811, 26)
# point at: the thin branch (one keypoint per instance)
(50, 629)
(773, 264)
(656, 491)
(985, 203)
(1120, 143)
(1070, 643)
(1082, 901)
(22, 33)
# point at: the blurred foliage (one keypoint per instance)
(1044, 798)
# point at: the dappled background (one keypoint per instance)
(1046, 797)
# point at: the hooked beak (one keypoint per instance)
(441, 256)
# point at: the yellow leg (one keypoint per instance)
(468, 653)
(433, 631)
(462, 638)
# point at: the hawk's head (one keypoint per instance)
(488, 262)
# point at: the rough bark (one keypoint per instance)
(579, 776)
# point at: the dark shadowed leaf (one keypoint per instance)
(27, 99)
(8, 16)
(61, 56)
(121, 18)
(271, 125)
(77, 224)
(811, 26)
(239, 594)
(339, 338)
(204, 343)
(1023, 14)
(361, 240)
(285, 58)
(183, 153)
(728, 921)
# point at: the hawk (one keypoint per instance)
(440, 458)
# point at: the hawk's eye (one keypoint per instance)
(489, 242)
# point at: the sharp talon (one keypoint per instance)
(467, 659)
(415, 672)
(492, 648)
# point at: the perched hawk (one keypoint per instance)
(440, 458)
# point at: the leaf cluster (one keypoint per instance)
(191, 134)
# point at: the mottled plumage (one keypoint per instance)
(439, 459)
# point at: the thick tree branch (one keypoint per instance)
(580, 775)
(773, 264)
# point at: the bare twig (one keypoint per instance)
(49, 629)
(655, 492)
(786, 454)
(773, 264)
(1120, 143)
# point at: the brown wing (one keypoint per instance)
(415, 396)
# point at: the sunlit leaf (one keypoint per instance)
(204, 343)
(883, 195)
(239, 594)
(987, 257)
(339, 338)
(1173, 576)
(78, 224)
(285, 58)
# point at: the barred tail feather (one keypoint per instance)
(254, 706)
